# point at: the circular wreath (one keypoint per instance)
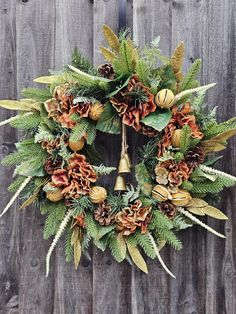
(58, 167)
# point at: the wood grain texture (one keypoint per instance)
(37, 35)
(9, 226)
(34, 52)
(111, 281)
(74, 20)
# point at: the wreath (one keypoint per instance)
(58, 166)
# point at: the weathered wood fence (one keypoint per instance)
(36, 35)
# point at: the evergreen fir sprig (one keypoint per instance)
(40, 95)
(81, 205)
(28, 122)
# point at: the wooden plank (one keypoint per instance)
(150, 294)
(9, 244)
(73, 290)
(114, 296)
(220, 57)
(35, 55)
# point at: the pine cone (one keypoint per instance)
(195, 157)
(103, 214)
(168, 209)
(106, 70)
(51, 165)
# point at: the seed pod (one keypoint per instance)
(77, 145)
(96, 111)
(165, 98)
(97, 194)
(181, 198)
(160, 193)
(175, 139)
(54, 196)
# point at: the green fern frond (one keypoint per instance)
(214, 129)
(191, 76)
(79, 130)
(124, 64)
(103, 170)
(170, 238)
(159, 220)
(54, 218)
(144, 241)
(57, 237)
(43, 134)
(91, 133)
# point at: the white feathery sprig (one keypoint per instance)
(12, 200)
(217, 172)
(159, 256)
(193, 90)
(56, 238)
(199, 222)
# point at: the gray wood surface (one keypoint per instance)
(37, 35)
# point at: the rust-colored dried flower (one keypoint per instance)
(132, 217)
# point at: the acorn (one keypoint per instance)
(54, 196)
(95, 111)
(77, 145)
(181, 198)
(176, 138)
(165, 98)
(160, 193)
(97, 194)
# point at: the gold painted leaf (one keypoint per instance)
(137, 258)
(197, 211)
(107, 54)
(225, 135)
(75, 242)
(15, 105)
(112, 39)
(197, 202)
(47, 79)
(214, 212)
(212, 146)
(122, 245)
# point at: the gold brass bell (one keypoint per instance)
(120, 184)
(123, 165)
(128, 160)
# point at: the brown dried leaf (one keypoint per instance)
(214, 212)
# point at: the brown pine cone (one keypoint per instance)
(147, 130)
(103, 214)
(106, 70)
(195, 157)
(168, 209)
(51, 165)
